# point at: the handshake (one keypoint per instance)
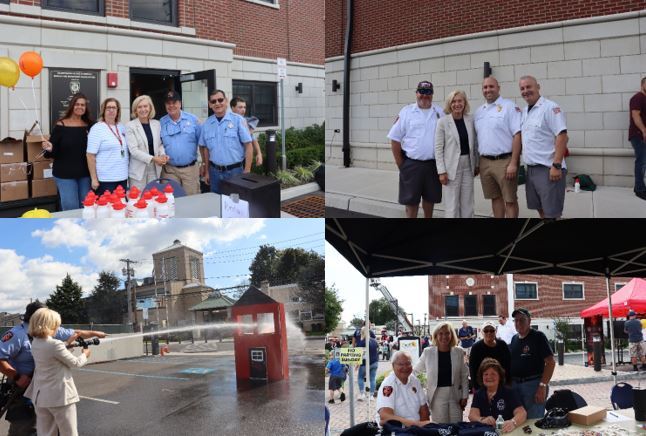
(161, 160)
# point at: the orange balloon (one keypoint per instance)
(31, 63)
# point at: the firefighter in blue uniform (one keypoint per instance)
(17, 364)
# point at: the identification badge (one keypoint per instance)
(499, 108)
(230, 125)
(123, 153)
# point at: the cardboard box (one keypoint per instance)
(11, 191)
(11, 151)
(13, 172)
(587, 415)
(42, 169)
(43, 188)
(35, 147)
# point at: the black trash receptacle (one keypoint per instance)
(262, 193)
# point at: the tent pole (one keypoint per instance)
(612, 327)
(367, 371)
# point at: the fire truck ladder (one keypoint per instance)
(401, 315)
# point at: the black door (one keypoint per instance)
(258, 363)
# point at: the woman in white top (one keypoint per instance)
(147, 154)
(52, 389)
(456, 156)
(107, 149)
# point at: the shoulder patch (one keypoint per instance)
(387, 391)
(7, 336)
(414, 389)
(557, 110)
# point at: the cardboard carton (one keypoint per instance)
(43, 188)
(13, 172)
(43, 169)
(11, 151)
(11, 191)
(587, 415)
(35, 147)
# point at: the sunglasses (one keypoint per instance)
(218, 100)
(425, 91)
(489, 331)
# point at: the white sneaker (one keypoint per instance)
(361, 397)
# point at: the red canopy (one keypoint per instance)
(631, 296)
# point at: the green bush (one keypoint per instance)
(305, 156)
(303, 146)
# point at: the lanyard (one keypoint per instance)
(118, 136)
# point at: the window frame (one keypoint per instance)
(622, 285)
(484, 305)
(475, 306)
(525, 283)
(100, 12)
(457, 299)
(250, 100)
(573, 283)
(174, 21)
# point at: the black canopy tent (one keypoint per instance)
(583, 247)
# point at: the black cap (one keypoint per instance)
(521, 311)
(425, 84)
(31, 309)
(172, 96)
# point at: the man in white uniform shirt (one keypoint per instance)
(412, 139)
(498, 129)
(505, 329)
(544, 141)
(401, 396)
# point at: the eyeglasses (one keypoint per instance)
(218, 100)
(425, 91)
(489, 331)
(111, 108)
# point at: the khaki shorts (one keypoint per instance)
(636, 350)
(494, 184)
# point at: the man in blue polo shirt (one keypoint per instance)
(225, 142)
(180, 132)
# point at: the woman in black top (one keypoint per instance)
(67, 146)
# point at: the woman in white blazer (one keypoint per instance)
(52, 388)
(143, 133)
(456, 154)
(447, 376)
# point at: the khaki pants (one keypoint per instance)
(187, 177)
(149, 176)
(53, 421)
(445, 406)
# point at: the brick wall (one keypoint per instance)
(550, 301)
(391, 24)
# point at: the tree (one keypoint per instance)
(67, 300)
(333, 309)
(263, 266)
(381, 312)
(290, 263)
(106, 305)
(357, 322)
(311, 282)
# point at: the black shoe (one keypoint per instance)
(331, 401)
(641, 194)
(342, 397)
(374, 394)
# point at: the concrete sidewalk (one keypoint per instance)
(374, 192)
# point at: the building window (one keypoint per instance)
(573, 291)
(247, 325)
(526, 291)
(261, 98)
(265, 323)
(160, 11)
(489, 305)
(170, 268)
(94, 7)
(195, 268)
(451, 304)
(619, 286)
(470, 305)
(306, 315)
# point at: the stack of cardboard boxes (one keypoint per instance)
(24, 172)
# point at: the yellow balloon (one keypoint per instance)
(9, 72)
(37, 213)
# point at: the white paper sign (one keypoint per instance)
(145, 312)
(231, 209)
(47, 174)
(412, 345)
(282, 67)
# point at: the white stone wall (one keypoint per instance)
(301, 110)
(591, 67)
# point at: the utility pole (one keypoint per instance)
(132, 304)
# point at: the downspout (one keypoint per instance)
(346, 83)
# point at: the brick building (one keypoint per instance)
(152, 46)
(589, 56)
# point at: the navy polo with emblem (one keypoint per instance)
(15, 347)
(503, 403)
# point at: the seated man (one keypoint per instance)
(401, 396)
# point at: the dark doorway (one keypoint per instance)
(154, 83)
(258, 362)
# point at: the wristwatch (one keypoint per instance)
(556, 165)
(543, 385)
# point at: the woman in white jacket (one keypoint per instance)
(52, 388)
(147, 155)
(447, 376)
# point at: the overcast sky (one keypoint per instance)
(411, 292)
(36, 254)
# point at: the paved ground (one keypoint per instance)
(197, 394)
(374, 192)
(593, 386)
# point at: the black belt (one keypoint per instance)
(185, 166)
(500, 156)
(416, 160)
(225, 167)
(526, 379)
